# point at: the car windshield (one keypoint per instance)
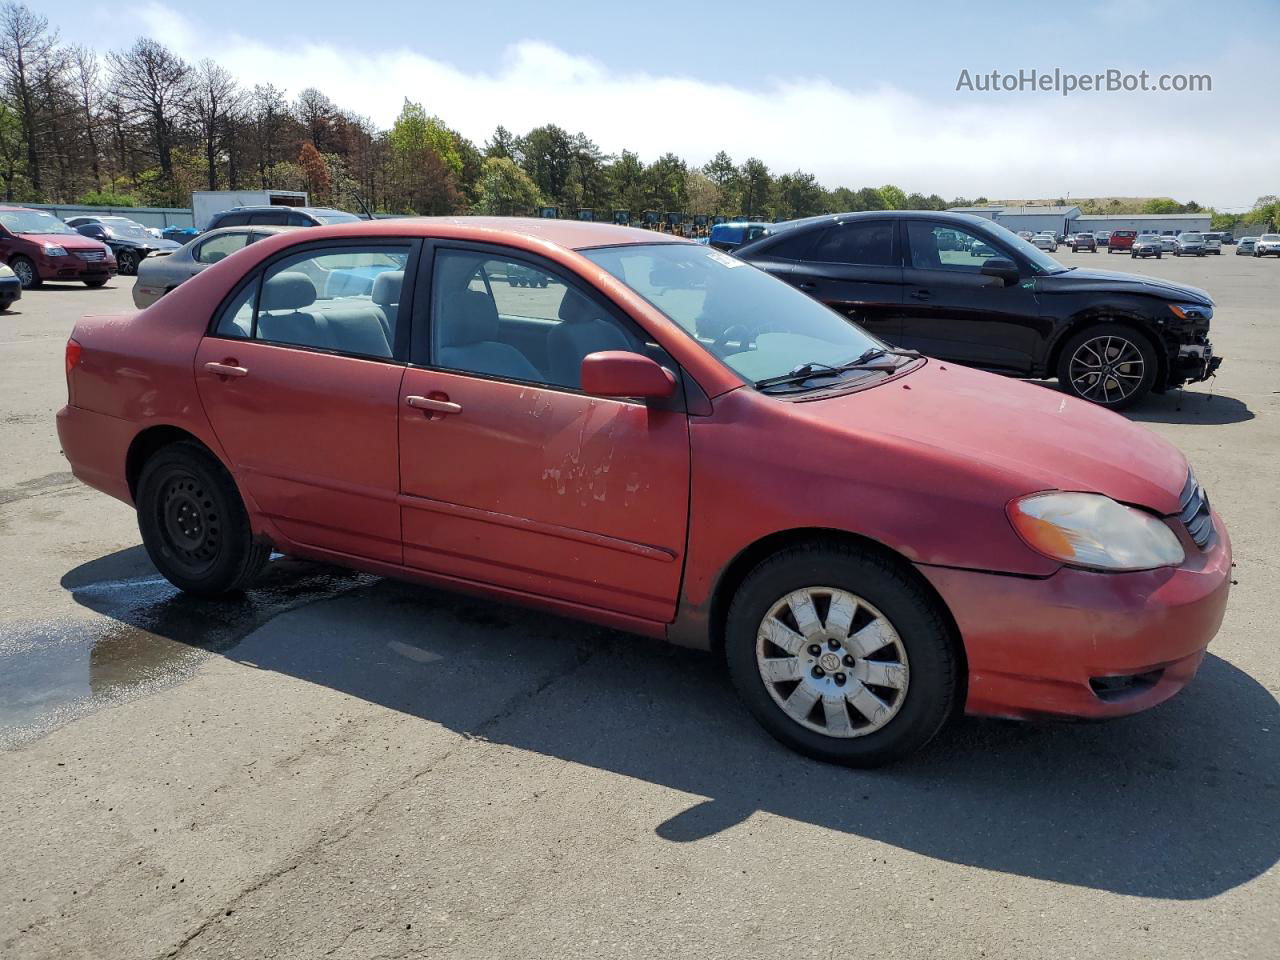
(1271, 237)
(1191, 236)
(126, 228)
(1041, 262)
(757, 325)
(32, 221)
(336, 216)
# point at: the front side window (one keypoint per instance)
(857, 242)
(219, 247)
(509, 319)
(340, 299)
(756, 324)
(935, 247)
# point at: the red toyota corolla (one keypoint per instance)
(650, 434)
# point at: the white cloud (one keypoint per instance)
(1000, 145)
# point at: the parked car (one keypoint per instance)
(1228, 239)
(127, 239)
(1147, 245)
(1189, 244)
(1083, 241)
(730, 236)
(1121, 241)
(1267, 245)
(1168, 242)
(158, 276)
(652, 489)
(1002, 305)
(38, 246)
(1245, 246)
(1103, 237)
(1025, 234)
(1213, 243)
(279, 217)
(10, 287)
(1045, 241)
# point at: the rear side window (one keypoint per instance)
(790, 245)
(860, 243)
(230, 220)
(296, 219)
(273, 218)
(338, 299)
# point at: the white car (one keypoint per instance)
(1045, 241)
(1168, 242)
(1268, 245)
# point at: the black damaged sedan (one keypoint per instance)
(964, 289)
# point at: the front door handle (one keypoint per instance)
(441, 404)
(227, 368)
(807, 285)
(919, 294)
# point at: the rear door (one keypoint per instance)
(509, 474)
(855, 268)
(302, 387)
(952, 311)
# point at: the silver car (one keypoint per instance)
(1168, 242)
(1045, 241)
(1268, 245)
(158, 275)
(1245, 247)
(1189, 244)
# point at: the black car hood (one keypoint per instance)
(1083, 278)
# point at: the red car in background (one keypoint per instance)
(662, 439)
(1122, 241)
(38, 246)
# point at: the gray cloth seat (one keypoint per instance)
(283, 318)
(468, 338)
(581, 331)
(386, 295)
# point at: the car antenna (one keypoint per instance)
(364, 206)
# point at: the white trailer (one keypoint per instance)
(206, 203)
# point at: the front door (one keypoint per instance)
(301, 387)
(952, 311)
(509, 474)
(854, 268)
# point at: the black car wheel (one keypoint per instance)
(127, 262)
(1108, 364)
(193, 522)
(26, 272)
(95, 284)
(841, 655)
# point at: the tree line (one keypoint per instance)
(143, 127)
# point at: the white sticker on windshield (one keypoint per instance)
(724, 259)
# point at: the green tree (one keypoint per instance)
(868, 198)
(547, 154)
(627, 187)
(503, 143)
(414, 131)
(756, 183)
(704, 196)
(666, 179)
(893, 197)
(505, 189)
(720, 170)
(1161, 205)
(798, 195)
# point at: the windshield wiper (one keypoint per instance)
(805, 371)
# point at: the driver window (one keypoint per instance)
(935, 247)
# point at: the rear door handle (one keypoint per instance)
(433, 405)
(228, 368)
(919, 294)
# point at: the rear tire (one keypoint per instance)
(846, 720)
(194, 524)
(1108, 364)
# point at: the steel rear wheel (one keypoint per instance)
(1108, 364)
(194, 524)
(841, 654)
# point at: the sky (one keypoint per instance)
(861, 94)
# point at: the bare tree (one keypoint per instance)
(317, 113)
(212, 100)
(152, 84)
(268, 112)
(26, 46)
(88, 91)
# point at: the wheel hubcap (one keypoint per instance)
(24, 272)
(1107, 369)
(189, 521)
(832, 662)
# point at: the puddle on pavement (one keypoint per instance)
(147, 635)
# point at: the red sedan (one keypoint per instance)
(657, 437)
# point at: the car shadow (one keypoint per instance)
(1182, 802)
(1180, 406)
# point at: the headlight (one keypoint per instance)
(53, 250)
(1092, 531)
(1191, 311)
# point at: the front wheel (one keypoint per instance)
(26, 272)
(127, 263)
(94, 284)
(194, 524)
(841, 655)
(1108, 364)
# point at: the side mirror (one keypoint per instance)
(619, 373)
(1002, 268)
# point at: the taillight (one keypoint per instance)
(73, 355)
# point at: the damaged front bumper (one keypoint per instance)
(1195, 362)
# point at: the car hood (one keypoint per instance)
(1083, 278)
(1025, 437)
(68, 241)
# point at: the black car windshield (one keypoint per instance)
(1041, 262)
(126, 228)
(757, 325)
(32, 221)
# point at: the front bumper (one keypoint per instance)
(1082, 644)
(1195, 362)
(71, 267)
(10, 290)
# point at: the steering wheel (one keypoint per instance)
(734, 333)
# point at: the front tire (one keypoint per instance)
(841, 655)
(95, 284)
(127, 263)
(1108, 364)
(194, 524)
(26, 272)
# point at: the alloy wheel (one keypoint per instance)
(832, 662)
(1107, 369)
(25, 272)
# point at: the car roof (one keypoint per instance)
(255, 227)
(315, 211)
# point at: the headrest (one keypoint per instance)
(288, 291)
(386, 288)
(575, 308)
(476, 320)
